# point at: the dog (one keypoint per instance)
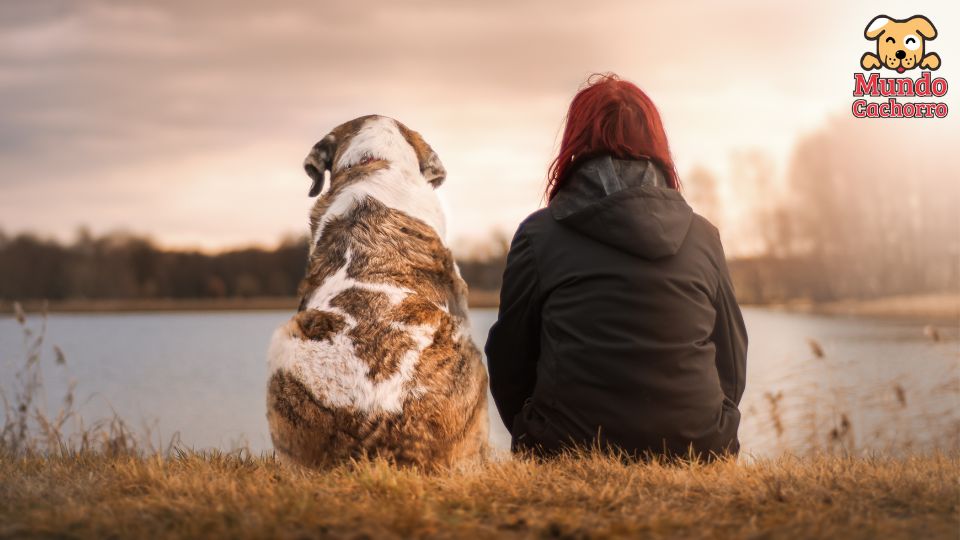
(900, 44)
(378, 360)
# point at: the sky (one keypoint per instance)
(188, 120)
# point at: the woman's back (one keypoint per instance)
(617, 320)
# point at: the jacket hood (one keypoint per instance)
(625, 204)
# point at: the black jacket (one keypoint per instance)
(618, 322)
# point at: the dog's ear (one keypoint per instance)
(923, 26)
(320, 160)
(875, 27)
(430, 166)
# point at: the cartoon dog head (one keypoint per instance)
(369, 143)
(900, 43)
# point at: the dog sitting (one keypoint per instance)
(378, 361)
(900, 44)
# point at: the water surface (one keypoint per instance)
(881, 385)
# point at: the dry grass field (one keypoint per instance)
(102, 481)
(98, 495)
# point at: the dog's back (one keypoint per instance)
(378, 360)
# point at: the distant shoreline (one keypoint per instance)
(933, 307)
(478, 299)
(939, 307)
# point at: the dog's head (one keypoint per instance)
(900, 41)
(367, 144)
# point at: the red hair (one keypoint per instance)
(611, 116)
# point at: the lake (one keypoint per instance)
(880, 385)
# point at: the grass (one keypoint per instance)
(103, 481)
(96, 495)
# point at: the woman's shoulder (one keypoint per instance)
(706, 235)
(537, 217)
(535, 223)
(703, 225)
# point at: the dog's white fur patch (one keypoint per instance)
(331, 370)
(379, 138)
(334, 374)
(400, 186)
(339, 282)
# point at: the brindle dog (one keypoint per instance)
(378, 361)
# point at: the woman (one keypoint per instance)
(618, 325)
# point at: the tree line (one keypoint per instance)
(124, 266)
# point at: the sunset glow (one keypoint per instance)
(188, 121)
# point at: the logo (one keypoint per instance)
(901, 46)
